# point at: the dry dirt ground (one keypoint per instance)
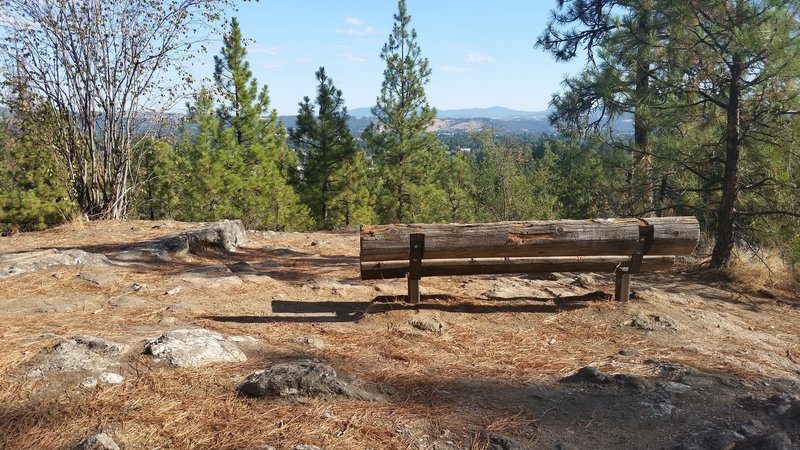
(694, 361)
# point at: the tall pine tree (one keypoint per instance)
(333, 183)
(252, 144)
(407, 158)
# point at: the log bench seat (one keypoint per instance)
(621, 246)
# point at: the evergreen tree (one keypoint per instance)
(252, 149)
(204, 189)
(754, 61)
(156, 179)
(333, 183)
(34, 182)
(407, 158)
(620, 39)
(502, 191)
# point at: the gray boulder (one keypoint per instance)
(227, 234)
(98, 441)
(194, 347)
(303, 378)
(86, 353)
(22, 263)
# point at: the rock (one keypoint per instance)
(226, 234)
(751, 429)
(712, 440)
(173, 291)
(587, 373)
(543, 276)
(194, 347)
(136, 287)
(312, 341)
(168, 321)
(126, 301)
(243, 267)
(302, 378)
(111, 378)
(88, 383)
(584, 281)
(288, 252)
(99, 441)
(775, 441)
(634, 382)
(427, 324)
(99, 278)
(306, 447)
(20, 263)
(495, 441)
(676, 388)
(143, 257)
(242, 339)
(84, 353)
(651, 322)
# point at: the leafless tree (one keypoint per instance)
(100, 66)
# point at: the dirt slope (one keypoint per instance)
(483, 362)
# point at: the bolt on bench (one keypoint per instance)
(622, 246)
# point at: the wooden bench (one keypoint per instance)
(621, 246)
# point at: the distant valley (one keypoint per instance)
(471, 120)
(463, 120)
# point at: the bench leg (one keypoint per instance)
(622, 285)
(413, 290)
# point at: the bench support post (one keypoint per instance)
(622, 284)
(416, 250)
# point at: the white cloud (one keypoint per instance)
(353, 21)
(474, 58)
(353, 57)
(452, 68)
(365, 31)
(264, 50)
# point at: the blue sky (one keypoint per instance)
(482, 53)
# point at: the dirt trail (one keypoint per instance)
(483, 362)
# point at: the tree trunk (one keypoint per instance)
(641, 125)
(726, 215)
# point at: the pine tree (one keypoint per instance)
(252, 148)
(34, 191)
(203, 166)
(620, 42)
(407, 158)
(333, 183)
(156, 179)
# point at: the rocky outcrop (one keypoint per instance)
(194, 347)
(303, 378)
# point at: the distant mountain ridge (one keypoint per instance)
(463, 120)
(494, 112)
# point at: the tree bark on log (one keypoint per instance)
(597, 237)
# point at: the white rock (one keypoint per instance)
(88, 383)
(111, 378)
(194, 347)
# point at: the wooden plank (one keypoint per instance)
(622, 285)
(413, 290)
(597, 237)
(504, 239)
(475, 266)
(674, 235)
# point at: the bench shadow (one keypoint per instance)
(296, 311)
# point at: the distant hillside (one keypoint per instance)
(495, 112)
(463, 120)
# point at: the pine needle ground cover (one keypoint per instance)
(481, 360)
